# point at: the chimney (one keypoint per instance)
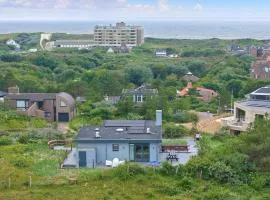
(159, 118)
(14, 90)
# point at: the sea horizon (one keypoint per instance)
(165, 29)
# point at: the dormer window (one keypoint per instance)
(63, 104)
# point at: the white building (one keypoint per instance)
(119, 34)
(81, 44)
(13, 43)
(161, 53)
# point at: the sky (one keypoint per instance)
(92, 10)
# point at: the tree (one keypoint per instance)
(256, 144)
(125, 107)
(138, 75)
(235, 86)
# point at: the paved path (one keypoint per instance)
(70, 161)
(183, 157)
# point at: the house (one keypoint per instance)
(58, 107)
(184, 92)
(257, 105)
(161, 53)
(266, 56)
(139, 94)
(252, 50)
(2, 95)
(189, 77)
(13, 43)
(80, 99)
(110, 51)
(260, 52)
(235, 47)
(260, 70)
(204, 94)
(130, 140)
(112, 100)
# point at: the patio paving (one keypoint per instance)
(183, 157)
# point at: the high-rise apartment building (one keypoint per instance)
(118, 35)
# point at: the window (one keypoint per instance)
(22, 104)
(63, 104)
(139, 98)
(115, 147)
(47, 114)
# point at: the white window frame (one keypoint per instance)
(63, 103)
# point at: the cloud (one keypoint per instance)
(198, 7)
(121, 1)
(163, 5)
(61, 4)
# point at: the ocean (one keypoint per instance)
(156, 29)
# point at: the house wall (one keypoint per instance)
(250, 113)
(48, 106)
(67, 109)
(104, 152)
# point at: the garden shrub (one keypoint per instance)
(174, 131)
(5, 140)
(24, 139)
(128, 170)
(167, 169)
(21, 162)
(168, 189)
(186, 183)
(38, 123)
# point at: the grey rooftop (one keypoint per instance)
(121, 130)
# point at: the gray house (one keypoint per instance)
(139, 94)
(130, 140)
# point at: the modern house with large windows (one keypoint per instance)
(130, 140)
(58, 107)
(257, 105)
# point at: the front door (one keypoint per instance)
(63, 117)
(82, 158)
(142, 152)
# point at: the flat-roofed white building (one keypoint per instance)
(119, 34)
(73, 44)
(257, 105)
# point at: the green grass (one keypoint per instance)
(174, 142)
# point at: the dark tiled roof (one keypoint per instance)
(32, 96)
(124, 123)
(131, 130)
(190, 77)
(41, 97)
(142, 89)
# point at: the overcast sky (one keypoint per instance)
(91, 10)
